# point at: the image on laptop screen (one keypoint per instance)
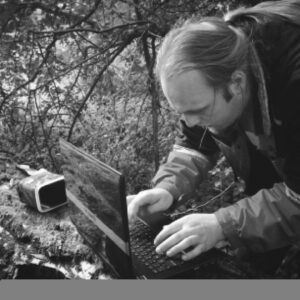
(94, 191)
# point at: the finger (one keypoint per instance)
(136, 203)
(129, 198)
(170, 241)
(156, 207)
(166, 232)
(193, 253)
(183, 245)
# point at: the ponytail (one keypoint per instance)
(286, 10)
(218, 46)
(210, 45)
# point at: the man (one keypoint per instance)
(237, 86)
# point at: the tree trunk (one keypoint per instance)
(150, 60)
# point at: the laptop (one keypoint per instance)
(97, 200)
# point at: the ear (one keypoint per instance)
(237, 85)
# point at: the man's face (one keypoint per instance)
(200, 104)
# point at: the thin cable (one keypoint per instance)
(196, 208)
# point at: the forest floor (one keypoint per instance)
(35, 245)
(40, 245)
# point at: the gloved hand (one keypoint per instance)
(200, 231)
(152, 200)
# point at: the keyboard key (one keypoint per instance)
(142, 246)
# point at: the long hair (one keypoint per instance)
(215, 46)
(285, 10)
(209, 45)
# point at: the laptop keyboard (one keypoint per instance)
(142, 247)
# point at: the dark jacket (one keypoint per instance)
(270, 218)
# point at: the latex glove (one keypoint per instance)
(153, 200)
(200, 231)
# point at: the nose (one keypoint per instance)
(191, 120)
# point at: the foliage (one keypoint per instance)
(83, 70)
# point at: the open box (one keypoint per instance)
(43, 191)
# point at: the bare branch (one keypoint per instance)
(96, 80)
(13, 7)
(44, 133)
(85, 18)
(61, 32)
(33, 77)
(78, 65)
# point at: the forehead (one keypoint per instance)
(188, 91)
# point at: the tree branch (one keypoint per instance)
(61, 32)
(96, 80)
(13, 7)
(86, 17)
(33, 77)
(151, 86)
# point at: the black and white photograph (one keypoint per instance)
(149, 140)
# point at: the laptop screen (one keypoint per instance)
(96, 195)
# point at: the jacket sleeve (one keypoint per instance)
(193, 154)
(271, 218)
(268, 220)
